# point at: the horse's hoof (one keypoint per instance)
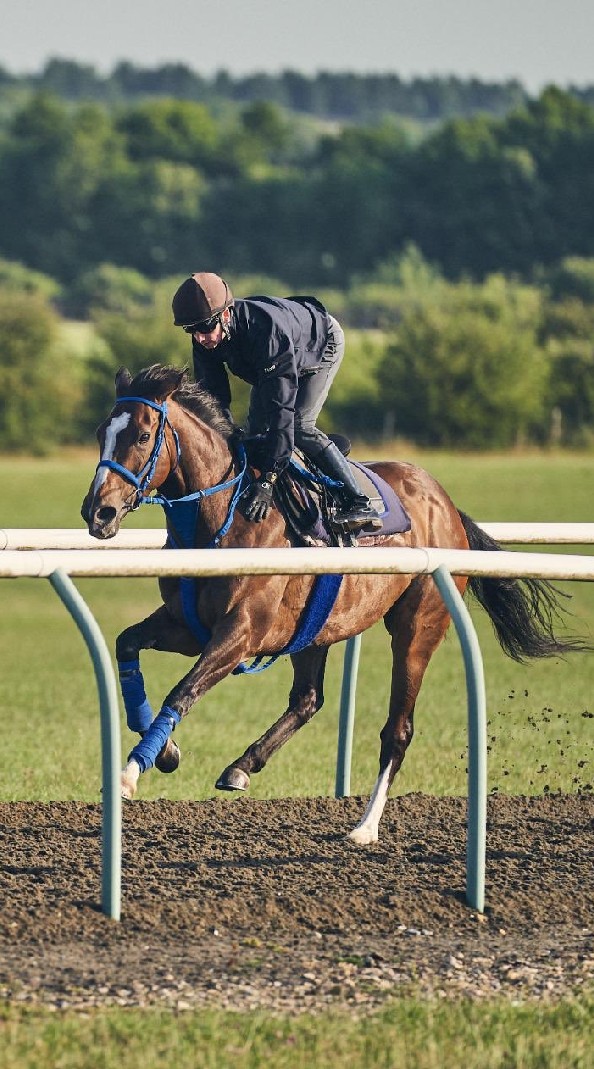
(233, 779)
(129, 780)
(127, 789)
(167, 760)
(363, 836)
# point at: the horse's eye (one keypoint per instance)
(144, 438)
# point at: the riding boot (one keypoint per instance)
(357, 510)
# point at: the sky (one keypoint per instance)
(539, 42)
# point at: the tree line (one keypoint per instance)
(331, 95)
(461, 261)
(163, 185)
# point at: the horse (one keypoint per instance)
(167, 437)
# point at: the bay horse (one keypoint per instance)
(168, 436)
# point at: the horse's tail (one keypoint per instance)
(523, 612)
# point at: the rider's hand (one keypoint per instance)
(256, 502)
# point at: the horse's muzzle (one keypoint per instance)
(103, 522)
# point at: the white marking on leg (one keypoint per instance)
(367, 830)
(116, 425)
(129, 779)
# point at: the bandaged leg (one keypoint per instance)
(139, 714)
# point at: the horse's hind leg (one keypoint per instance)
(417, 624)
(306, 697)
(159, 631)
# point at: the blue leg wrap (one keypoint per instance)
(139, 714)
(156, 737)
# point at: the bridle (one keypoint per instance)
(141, 480)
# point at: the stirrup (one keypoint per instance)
(355, 517)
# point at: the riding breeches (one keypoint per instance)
(312, 391)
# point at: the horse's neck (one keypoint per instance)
(205, 461)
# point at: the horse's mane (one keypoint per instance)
(162, 380)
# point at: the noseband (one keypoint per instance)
(143, 479)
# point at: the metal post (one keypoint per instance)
(346, 719)
(111, 871)
(477, 738)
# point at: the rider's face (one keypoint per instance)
(211, 339)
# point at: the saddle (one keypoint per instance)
(309, 500)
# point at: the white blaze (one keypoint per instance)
(116, 425)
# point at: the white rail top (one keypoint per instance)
(205, 562)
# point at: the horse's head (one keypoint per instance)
(138, 447)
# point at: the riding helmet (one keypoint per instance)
(200, 298)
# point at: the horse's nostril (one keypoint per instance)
(105, 514)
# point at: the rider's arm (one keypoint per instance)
(277, 390)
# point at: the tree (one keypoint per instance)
(52, 164)
(568, 336)
(174, 130)
(41, 388)
(466, 370)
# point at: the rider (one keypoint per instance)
(289, 349)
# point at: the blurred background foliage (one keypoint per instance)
(449, 225)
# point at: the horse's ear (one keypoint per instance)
(182, 376)
(173, 379)
(122, 381)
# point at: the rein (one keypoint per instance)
(142, 480)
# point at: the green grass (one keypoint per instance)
(538, 736)
(407, 1034)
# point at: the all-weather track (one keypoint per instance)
(265, 904)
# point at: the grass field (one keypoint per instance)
(538, 734)
(407, 1035)
(539, 739)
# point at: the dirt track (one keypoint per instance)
(248, 904)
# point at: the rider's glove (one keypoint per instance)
(257, 499)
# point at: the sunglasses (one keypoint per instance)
(206, 327)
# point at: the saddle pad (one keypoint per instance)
(383, 498)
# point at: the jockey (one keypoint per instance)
(289, 349)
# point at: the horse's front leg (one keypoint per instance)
(231, 642)
(158, 631)
(306, 697)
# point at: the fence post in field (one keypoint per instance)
(346, 717)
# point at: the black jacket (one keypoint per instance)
(274, 342)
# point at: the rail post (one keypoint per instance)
(346, 716)
(477, 738)
(111, 820)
